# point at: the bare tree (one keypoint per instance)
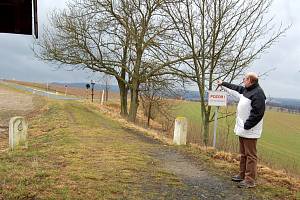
(154, 94)
(122, 38)
(82, 38)
(150, 30)
(223, 37)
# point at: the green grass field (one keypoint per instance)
(278, 147)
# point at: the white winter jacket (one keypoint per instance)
(250, 110)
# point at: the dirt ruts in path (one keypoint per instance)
(200, 182)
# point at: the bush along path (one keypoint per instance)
(75, 152)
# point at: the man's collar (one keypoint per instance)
(251, 87)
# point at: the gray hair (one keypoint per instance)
(252, 76)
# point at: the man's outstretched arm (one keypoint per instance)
(238, 88)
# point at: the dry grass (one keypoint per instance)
(279, 146)
(266, 176)
(77, 153)
(270, 179)
(54, 148)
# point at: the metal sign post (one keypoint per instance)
(216, 98)
(215, 126)
(66, 89)
(87, 91)
(93, 84)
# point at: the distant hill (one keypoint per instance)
(194, 95)
(287, 103)
(293, 104)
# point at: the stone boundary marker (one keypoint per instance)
(17, 133)
(180, 131)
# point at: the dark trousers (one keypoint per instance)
(248, 160)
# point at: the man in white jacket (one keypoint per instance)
(249, 121)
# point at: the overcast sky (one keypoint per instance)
(18, 62)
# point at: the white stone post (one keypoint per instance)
(17, 133)
(102, 98)
(180, 131)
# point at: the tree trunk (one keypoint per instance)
(134, 104)
(123, 98)
(205, 130)
(149, 113)
(205, 112)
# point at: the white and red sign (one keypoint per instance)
(217, 98)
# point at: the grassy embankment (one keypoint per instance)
(76, 153)
(279, 146)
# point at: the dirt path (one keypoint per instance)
(197, 182)
(200, 183)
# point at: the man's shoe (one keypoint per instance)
(237, 178)
(246, 184)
